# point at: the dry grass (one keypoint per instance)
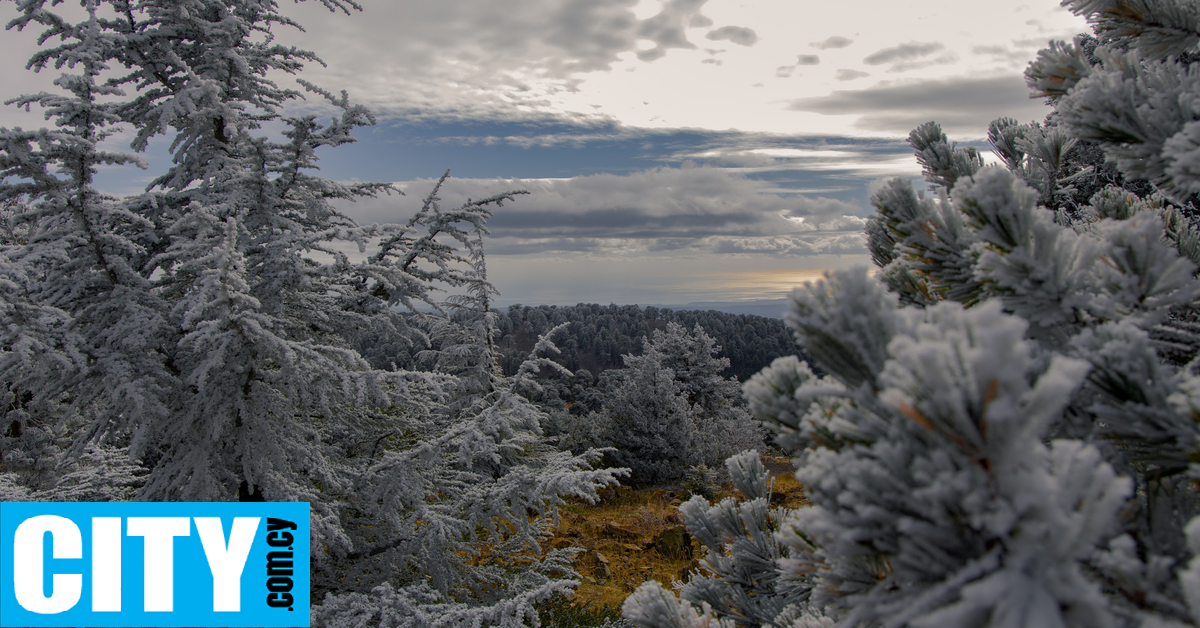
(787, 490)
(622, 528)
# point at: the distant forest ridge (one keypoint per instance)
(598, 335)
(769, 308)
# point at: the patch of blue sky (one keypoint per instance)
(838, 167)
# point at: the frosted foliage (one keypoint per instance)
(879, 242)
(844, 321)
(12, 490)
(1055, 276)
(1008, 431)
(1005, 134)
(1190, 578)
(749, 575)
(932, 257)
(804, 410)
(1182, 152)
(101, 474)
(1143, 279)
(672, 409)
(1144, 112)
(1057, 69)
(748, 475)
(1135, 94)
(1140, 400)
(1182, 233)
(195, 341)
(965, 457)
(941, 161)
(957, 515)
(1160, 28)
(653, 607)
(649, 421)
(772, 391)
(1038, 268)
(1046, 151)
(1115, 203)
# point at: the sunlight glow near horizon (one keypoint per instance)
(767, 284)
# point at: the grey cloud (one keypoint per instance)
(784, 71)
(903, 52)
(667, 28)
(989, 50)
(591, 33)
(843, 244)
(736, 34)
(844, 74)
(836, 41)
(835, 223)
(1034, 43)
(1001, 54)
(906, 66)
(653, 54)
(399, 57)
(662, 208)
(963, 105)
(513, 246)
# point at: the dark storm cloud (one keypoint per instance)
(962, 105)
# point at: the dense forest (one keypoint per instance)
(590, 337)
(596, 336)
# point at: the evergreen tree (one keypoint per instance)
(195, 342)
(669, 409)
(1007, 433)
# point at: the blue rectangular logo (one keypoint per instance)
(154, 564)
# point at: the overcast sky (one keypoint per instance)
(675, 151)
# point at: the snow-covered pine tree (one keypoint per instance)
(1007, 433)
(669, 409)
(194, 342)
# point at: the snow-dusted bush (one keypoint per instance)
(194, 342)
(1007, 434)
